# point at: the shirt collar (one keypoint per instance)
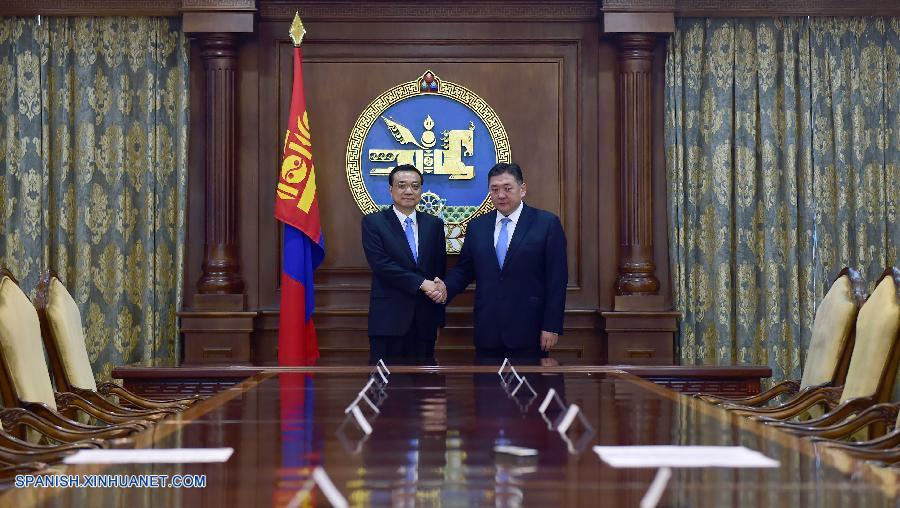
(403, 217)
(513, 217)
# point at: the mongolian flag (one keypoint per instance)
(297, 206)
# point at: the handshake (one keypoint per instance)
(435, 289)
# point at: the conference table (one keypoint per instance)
(436, 437)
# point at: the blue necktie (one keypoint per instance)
(411, 238)
(503, 240)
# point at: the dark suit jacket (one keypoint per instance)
(528, 295)
(396, 277)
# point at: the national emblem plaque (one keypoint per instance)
(446, 131)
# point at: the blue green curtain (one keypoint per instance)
(92, 172)
(781, 158)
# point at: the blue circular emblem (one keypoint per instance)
(446, 131)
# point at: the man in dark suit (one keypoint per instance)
(406, 251)
(517, 258)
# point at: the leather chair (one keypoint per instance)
(25, 378)
(828, 355)
(873, 365)
(63, 335)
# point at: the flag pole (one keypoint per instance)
(297, 206)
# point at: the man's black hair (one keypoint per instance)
(502, 167)
(405, 167)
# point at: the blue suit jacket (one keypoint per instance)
(513, 304)
(396, 277)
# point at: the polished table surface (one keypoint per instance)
(433, 443)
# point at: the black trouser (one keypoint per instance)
(416, 346)
(496, 355)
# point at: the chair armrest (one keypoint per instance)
(97, 400)
(837, 425)
(9, 472)
(68, 401)
(14, 417)
(890, 456)
(123, 394)
(833, 416)
(799, 399)
(51, 454)
(785, 387)
(889, 440)
(11, 442)
(72, 428)
(793, 408)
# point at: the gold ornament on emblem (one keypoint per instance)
(435, 150)
(297, 31)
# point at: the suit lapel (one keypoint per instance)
(488, 238)
(394, 226)
(521, 230)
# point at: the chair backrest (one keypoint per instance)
(873, 365)
(25, 374)
(63, 335)
(832, 332)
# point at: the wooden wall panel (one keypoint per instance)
(543, 80)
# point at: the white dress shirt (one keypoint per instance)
(511, 227)
(415, 224)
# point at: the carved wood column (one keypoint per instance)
(217, 329)
(640, 329)
(221, 268)
(636, 268)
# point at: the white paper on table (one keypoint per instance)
(683, 456)
(150, 456)
(517, 451)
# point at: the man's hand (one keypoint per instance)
(442, 288)
(548, 340)
(437, 292)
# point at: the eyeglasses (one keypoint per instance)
(416, 187)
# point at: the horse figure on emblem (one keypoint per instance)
(447, 160)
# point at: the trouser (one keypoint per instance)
(488, 355)
(416, 346)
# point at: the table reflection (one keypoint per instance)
(432, 444)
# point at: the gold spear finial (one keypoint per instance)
(297, 31)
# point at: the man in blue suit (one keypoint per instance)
(406, 251)
(517, 258)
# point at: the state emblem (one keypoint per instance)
(447, 132)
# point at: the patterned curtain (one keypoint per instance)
(856, 142)
(781, 157)
(92, 172)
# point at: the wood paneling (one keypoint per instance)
(436, 10)
(644, 22)
(542, 79)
